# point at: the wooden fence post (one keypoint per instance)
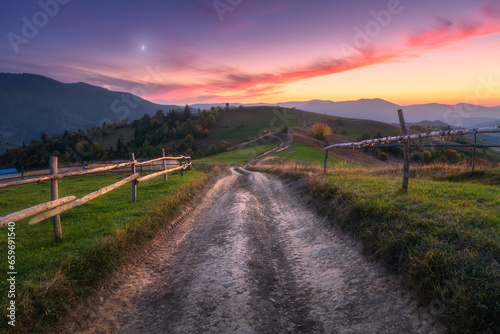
(134, 183)
(406, 147)
(165, 177)
(84, 163)
(474, 153)
(22, 172)
(54, 195)
(326, 156)
(180, 164)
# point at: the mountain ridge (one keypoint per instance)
(32, 104)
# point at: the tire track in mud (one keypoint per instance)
(253, 258)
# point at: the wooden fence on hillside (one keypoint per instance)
(406, 138)
(59, 205)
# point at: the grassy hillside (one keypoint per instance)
(238, 125)
(33, 104)
(356, 128)
(306, 153)
(237, 157)
(95, 238)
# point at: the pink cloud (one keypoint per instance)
(266, 83)
(245, 85)
(449, 31)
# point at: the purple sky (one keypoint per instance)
(188, 51)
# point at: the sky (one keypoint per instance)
(248, 51)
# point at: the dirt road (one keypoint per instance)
(254, 258)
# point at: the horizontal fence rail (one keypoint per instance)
(405, 139)
(83, 200)
(34, 210)
(56, 206)
(386, 140)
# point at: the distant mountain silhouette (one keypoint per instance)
(460, 115)
(32, 104)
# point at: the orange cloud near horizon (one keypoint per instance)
(239, 86)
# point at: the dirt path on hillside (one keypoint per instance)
(356, 156)
(253, 258)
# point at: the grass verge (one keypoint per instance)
(306, 153)
(97, 236)
(443, 236)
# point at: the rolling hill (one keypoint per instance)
(32, 104)
(461, 115)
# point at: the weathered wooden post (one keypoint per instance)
(180, 164)
(165, 177)
(84, 163)
(22, 172)
(54, 195)
(474, 153)
(326, 156)
(406, 147)
(134, 182)
(140, 166)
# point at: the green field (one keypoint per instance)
(95, 235)
(237, 157)
(306, 153)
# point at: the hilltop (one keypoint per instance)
(33, 104)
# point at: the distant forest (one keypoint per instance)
(179, 128)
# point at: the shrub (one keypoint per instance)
(321, 130)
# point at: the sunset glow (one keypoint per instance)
(260, 51)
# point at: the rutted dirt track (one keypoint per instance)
(253, 258)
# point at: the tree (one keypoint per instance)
(119, 144)
(186, 112)
(321, 130)
(365, 136)
(211, 150)
(211, 120)
(188, 140)
(451, 155)
(222, 146)
(203, 122)
(227, 106)
(46, 138)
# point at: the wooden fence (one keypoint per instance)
(406, 138)
(59, 205)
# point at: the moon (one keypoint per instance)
(143, 47)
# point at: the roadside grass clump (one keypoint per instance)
(443, 236)
(210, 167)
(96, 238)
